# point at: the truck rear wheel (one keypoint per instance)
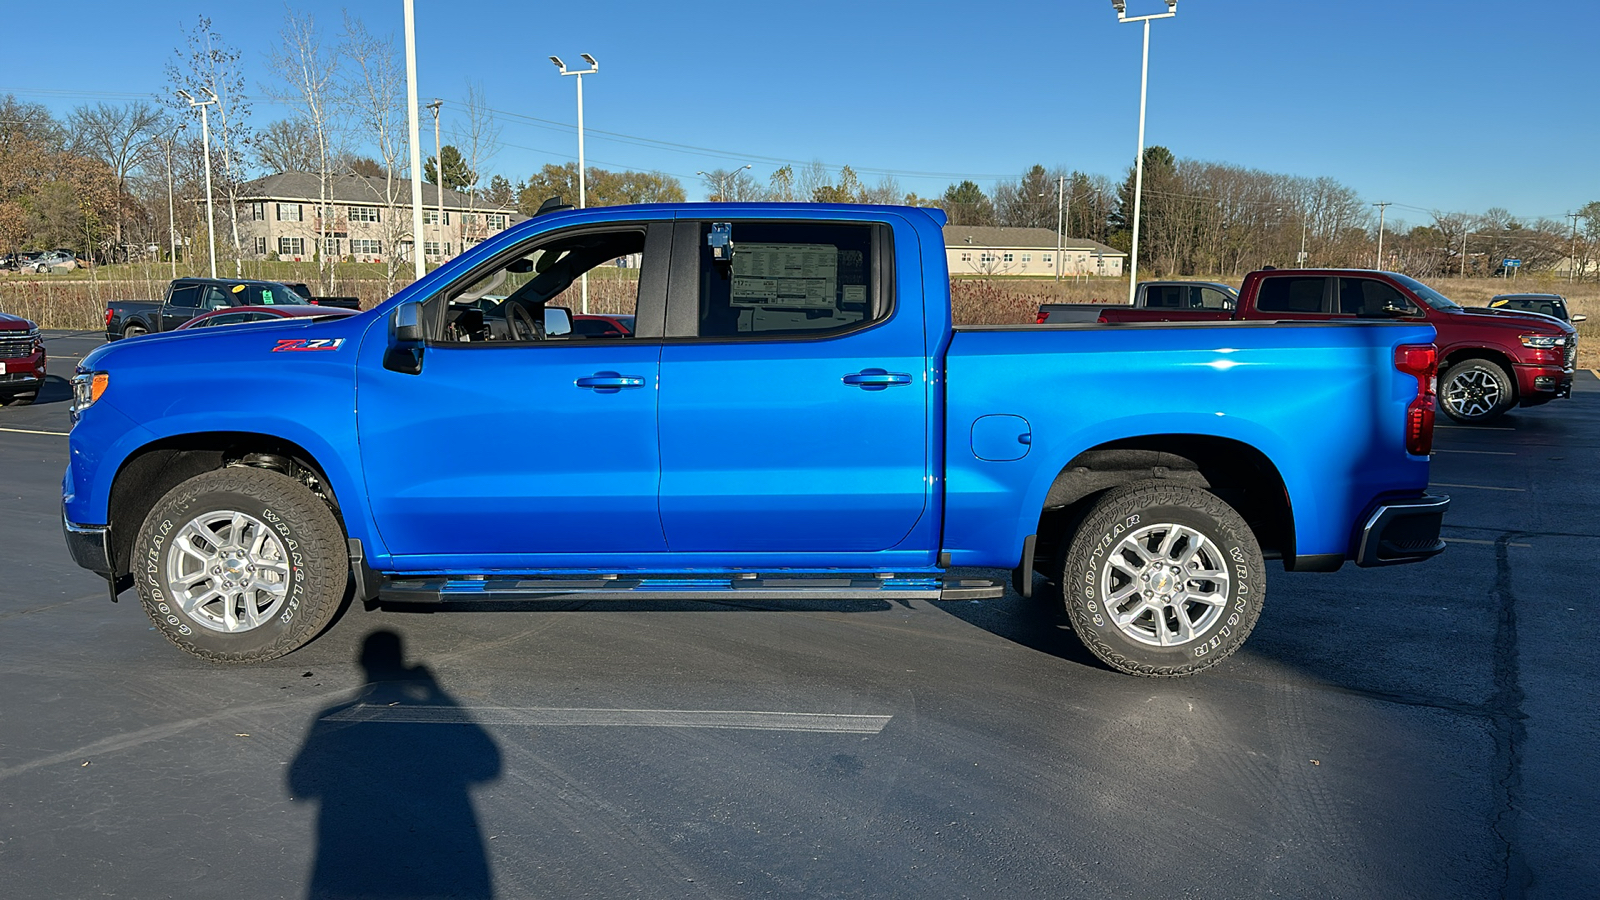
(1163, 579)
(240, 565)
(1477, 391)
(134, 329)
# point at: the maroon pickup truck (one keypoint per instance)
(22, 360)
(1490, 360)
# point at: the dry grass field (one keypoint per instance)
(73, 301)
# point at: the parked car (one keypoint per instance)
(1490, 360)
(55, 259)
(22, 360)
(239, 315)
(1151, 295)
(1544, 304)
(792, 417)
(602, 325)
(187, 298)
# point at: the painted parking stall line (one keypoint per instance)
(827, 723)
(32, 431)
(1480, 452)
(1478, 487)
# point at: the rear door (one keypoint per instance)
(794, 404)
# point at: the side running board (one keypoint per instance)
(446, 590)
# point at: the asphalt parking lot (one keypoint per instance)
(1422, 731)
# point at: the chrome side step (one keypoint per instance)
(749, 586)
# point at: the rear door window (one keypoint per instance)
(789, 279)
(1291, 294)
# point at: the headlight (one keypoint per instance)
(86, 389)
(1544, 341)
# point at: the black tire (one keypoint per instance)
(1100, 567)
(17, 399)
(308, 540)
(133, 330)
(1475, 391)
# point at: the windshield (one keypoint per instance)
(1427, 294)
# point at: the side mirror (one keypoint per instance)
(1580, 317)
(405, 326)
(557, 321)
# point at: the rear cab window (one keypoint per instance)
(789, 279)
(1292, 294)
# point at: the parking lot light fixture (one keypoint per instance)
(582, 175)
(1121, 7)
(205, 142)
(722, 181)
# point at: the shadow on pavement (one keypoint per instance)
(392, 770)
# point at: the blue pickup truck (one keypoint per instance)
(793, 416)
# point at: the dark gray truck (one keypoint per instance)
(190, 297)
(1151, 295)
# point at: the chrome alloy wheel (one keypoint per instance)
(1164, 585)
(1472, 393)
(228, 571)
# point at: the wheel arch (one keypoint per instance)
(1456, 355)
(1238, 473)
(149, 472)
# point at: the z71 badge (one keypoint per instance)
(302, 345)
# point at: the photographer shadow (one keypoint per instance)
(392, 771)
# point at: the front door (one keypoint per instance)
(514, 446)
(794, 396)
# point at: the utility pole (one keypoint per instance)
(1572, 261)
(1061, 195)
(1305, 222)
(1382, 208)
(205, 142)
(438, 172)
(418, 264)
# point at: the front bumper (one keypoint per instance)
(89, 545)
(1541, 384)
(1402, 531)
(20, 374)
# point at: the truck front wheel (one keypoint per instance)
(240, 565)
(1163, 579)
(1477, 391)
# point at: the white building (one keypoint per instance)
(979, 250)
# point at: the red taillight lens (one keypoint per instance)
(1042, 317)
(108, 316)
(1422, 362)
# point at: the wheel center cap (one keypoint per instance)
(1162, 582)
(233, 567)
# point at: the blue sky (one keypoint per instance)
(1457, 106)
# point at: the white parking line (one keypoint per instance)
(1474, 428)
(1479, 487)
(656, 718)
(31, 431)
(1480, 452)
(1484, 543)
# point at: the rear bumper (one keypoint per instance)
(88, 546)
(1402, 531)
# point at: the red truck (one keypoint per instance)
(1490, 360)
(22, 360)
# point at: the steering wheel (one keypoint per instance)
(521, 324)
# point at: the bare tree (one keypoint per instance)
(308, 71)
(120, 137)
(374, 93)
(478, 139)
(206, 64)
(732, 186)
(286, 145)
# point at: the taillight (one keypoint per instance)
(1042, 317)
(1422, 362)
(108, 317)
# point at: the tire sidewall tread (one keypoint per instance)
(1508, 390)
(311, 535)
(1133, 506)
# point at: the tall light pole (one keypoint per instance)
(1382, 208)
(1572, 261)
(1061, 211)
(172, 222)
(1305, 222)
(583, 200)
(438, 172)
(205, 142)
(721, 181)
(413, 136)
(1121, 7)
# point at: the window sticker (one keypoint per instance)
(804, 275)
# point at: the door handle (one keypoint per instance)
(609, 382)
(876, 379)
